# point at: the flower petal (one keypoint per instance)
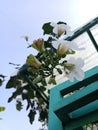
(80, 62)
(79, 74)
(71, 77)
(72, 60)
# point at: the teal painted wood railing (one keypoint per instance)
(74, 104)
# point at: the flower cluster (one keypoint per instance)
(52, 53)
(55, 57)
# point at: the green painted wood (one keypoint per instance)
(58, 103)
(81, 121)
(87, 109)
(53, 122)
(76, 100)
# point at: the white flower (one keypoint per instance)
(73, 69)
(61, 29)
(67, 45)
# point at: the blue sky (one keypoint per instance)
(26, 17)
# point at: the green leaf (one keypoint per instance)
(44, 83)
(28, 105)
(30, 93)
(43, 113)
(59, 70)
(47, 28)
(19, 105)
(13, 82)
(2, 108)
(15, 94)
(24, 96)
(42, 88)
(31, 115)
(52, 80)
(32, 104)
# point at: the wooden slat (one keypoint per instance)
(76, 100)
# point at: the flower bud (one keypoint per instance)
(61, 29)
(62, 49)
(38, 44)
(33, 61)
